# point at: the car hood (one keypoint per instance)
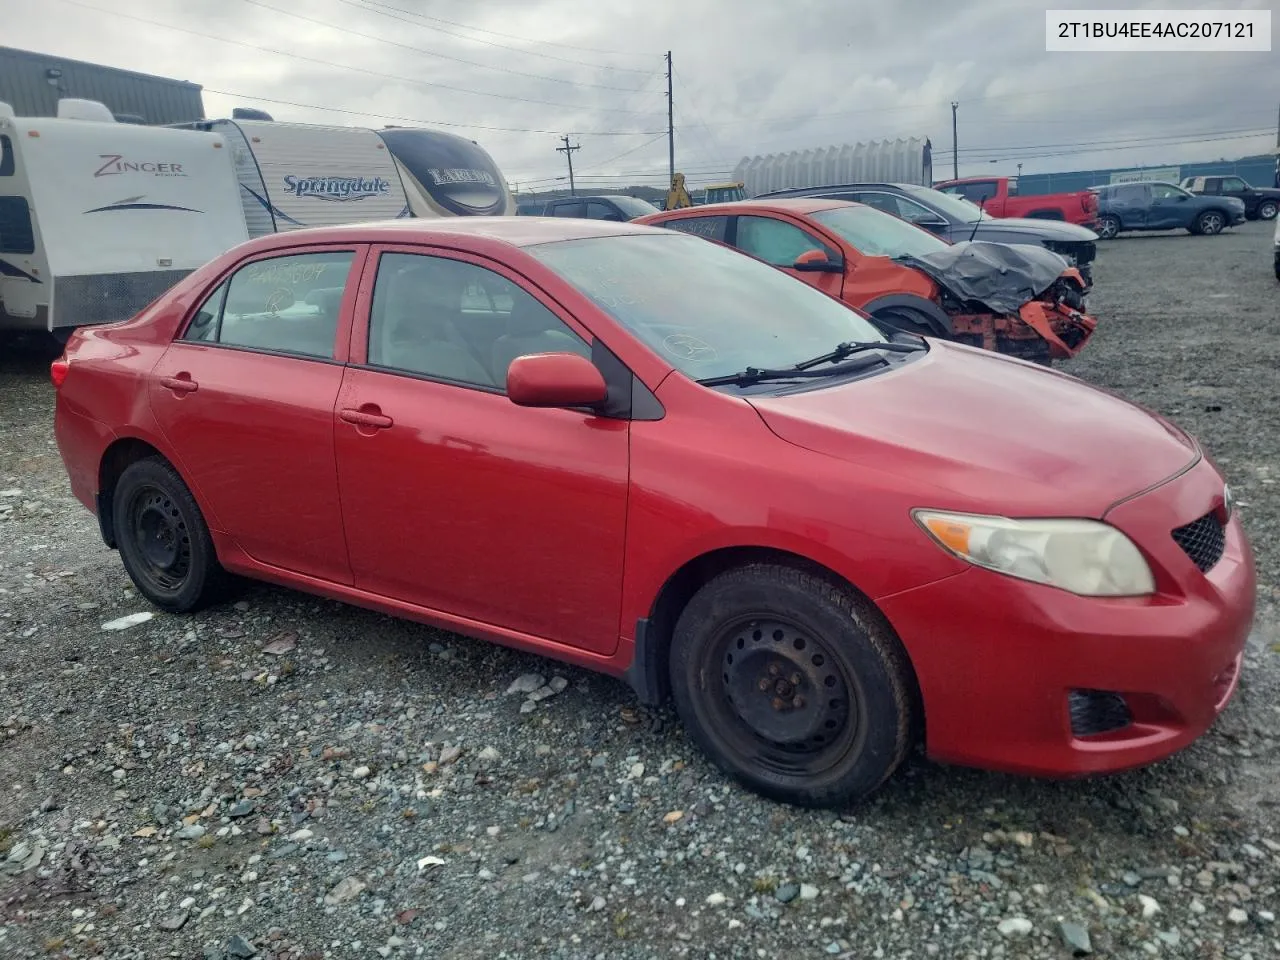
(1058, 230)
(967, 429)
(999, 276)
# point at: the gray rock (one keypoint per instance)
(489, 754)
(528, 706)
(240, 948)
(346, 891)
(558, 684)
(526, 683)
(787, 892)
(1015, 927)
(193, 832)
(1076, 938)
(243, 808)
(175, 921)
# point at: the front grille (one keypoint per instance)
(1097, 711)
(1079, 252)
(1203, 541)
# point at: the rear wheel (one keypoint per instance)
(791, 685)
(163, 540)
(1267, 210)
(1210, 223)
(1108, 226)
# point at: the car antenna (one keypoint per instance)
(981, 201)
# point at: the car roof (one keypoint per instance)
(514, 231)
(797, 205)
(861, 185)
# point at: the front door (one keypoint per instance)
(456, 499)
(245, 398)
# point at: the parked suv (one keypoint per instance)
(606, 207)
(955, 218)
(1260, 203)
(1156, 205)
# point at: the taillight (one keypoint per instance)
(58, 371)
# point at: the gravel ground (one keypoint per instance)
(284, 777)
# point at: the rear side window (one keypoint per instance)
(7, 161)
(280, 305)
(712, 228)
(574, 209)
(16, 232)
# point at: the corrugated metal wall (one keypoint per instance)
(1259, 171)
(25, 85)
(898, 161)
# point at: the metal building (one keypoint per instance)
(32, 83)
(898, 161)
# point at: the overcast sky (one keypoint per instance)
(750, 78)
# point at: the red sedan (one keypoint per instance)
(649, 455)
(1011, 298)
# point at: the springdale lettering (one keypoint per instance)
(336, 188)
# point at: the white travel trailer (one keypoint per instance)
(97, 218)
(295, 175)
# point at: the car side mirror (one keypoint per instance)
(815, 261)
(555, 380)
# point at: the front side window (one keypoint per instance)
(596, 210)
(877, 234)
(740, 313)
(457, 321)
(776, 241)
(1233, 184)
(573, 209)
(284, 304)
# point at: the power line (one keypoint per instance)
(568, 154)
(371, 7)
(433, 53)
(342, 66)
(427, 123)
(1121, 142)
(604, 163)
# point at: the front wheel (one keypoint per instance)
(1267, 210)
(792, 686)
(163, 540)
(1210, 223)
(1108, 227)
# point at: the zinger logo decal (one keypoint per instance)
(116, 164)
(336, 188)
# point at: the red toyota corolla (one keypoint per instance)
(650, 455)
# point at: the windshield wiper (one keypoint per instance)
(803, 369)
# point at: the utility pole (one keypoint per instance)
(568, 152)
(955, 156)
(671, 129)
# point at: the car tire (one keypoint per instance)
(163, 540)
(1210, 223)
(792, 685)
(1267, 210)
(1107, 227)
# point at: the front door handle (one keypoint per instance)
(369, 415)
(182, 383)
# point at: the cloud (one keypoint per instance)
(749, 78)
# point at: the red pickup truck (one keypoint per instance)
(998, 196)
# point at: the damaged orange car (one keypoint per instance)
(1015, 299)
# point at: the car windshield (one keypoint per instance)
(957, 208)
(878, 234)
(706, 309)
(634, 207)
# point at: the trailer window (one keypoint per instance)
(16, 233)
(7, 162)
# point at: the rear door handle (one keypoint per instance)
(182, 383)
(367, 416)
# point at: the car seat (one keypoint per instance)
(531, 328)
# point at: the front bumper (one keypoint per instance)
(998, 659)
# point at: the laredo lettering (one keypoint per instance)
(336, 188)
(115, 164)
(461, 175)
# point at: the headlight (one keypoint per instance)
(1082, 556)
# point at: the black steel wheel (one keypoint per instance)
(792, 685)
(162, 537)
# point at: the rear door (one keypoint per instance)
(454, 498)
(1130, 202)
(245, 398)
